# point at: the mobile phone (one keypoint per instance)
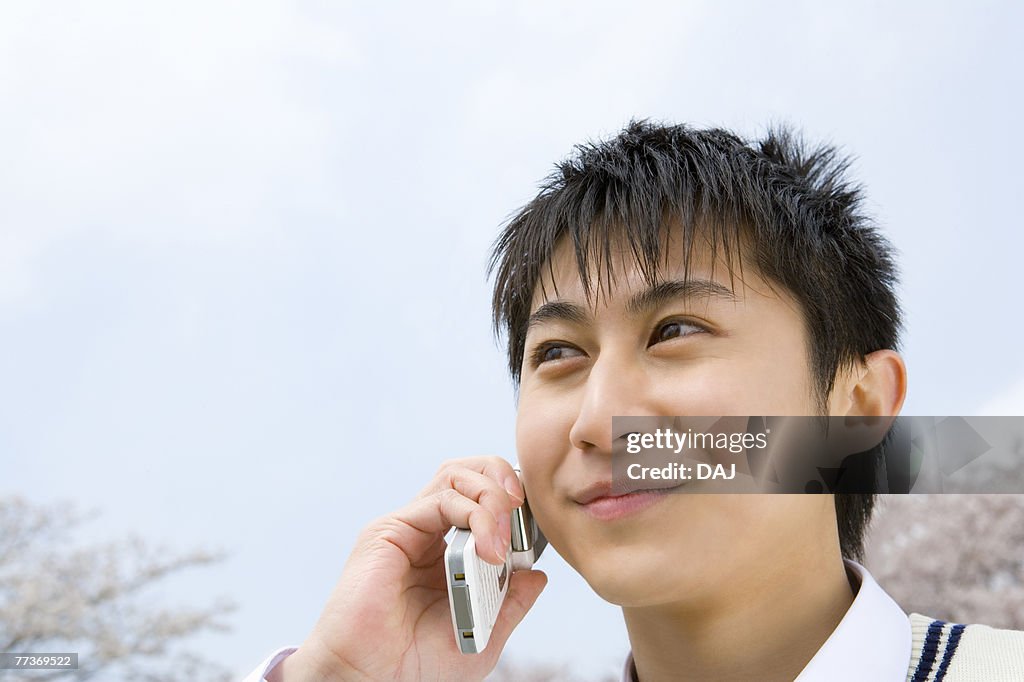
(477, 589)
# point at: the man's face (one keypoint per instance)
(703, 349)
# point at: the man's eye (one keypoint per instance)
(674, 329)
(549, 352)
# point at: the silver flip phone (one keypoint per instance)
(477, 589)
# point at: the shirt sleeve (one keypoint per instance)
(261, 671)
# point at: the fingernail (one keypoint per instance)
(514, 488)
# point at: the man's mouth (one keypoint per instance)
(605, 489)
(602, 503)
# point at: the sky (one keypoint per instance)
(243, 246)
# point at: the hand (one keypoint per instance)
(388, 617)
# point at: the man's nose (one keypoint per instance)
(614, 387)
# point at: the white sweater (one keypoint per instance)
(950, 652)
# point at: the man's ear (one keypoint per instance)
(875, 387)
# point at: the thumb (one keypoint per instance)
(523, 590)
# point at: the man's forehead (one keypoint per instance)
(710, 272)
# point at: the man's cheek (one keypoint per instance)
(552, 523)
(541, 443)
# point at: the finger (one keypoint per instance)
(426, 519)
(493, 497)
(523, 590)
(459, 475)
(482, 488)
(488, 494)
(495, 468)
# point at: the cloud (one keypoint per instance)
(174, 122)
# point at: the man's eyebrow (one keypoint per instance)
(652, 297)
(554, 311)
(664, 292)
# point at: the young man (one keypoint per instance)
(669, 271)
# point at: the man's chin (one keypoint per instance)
(631, 583)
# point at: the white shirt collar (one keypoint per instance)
(871, 642)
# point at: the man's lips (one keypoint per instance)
(601, 503)
(604, 490)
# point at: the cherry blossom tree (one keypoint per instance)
(98, 599)
(959, 558)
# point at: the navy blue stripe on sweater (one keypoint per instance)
(928, 651)
(947, 655)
